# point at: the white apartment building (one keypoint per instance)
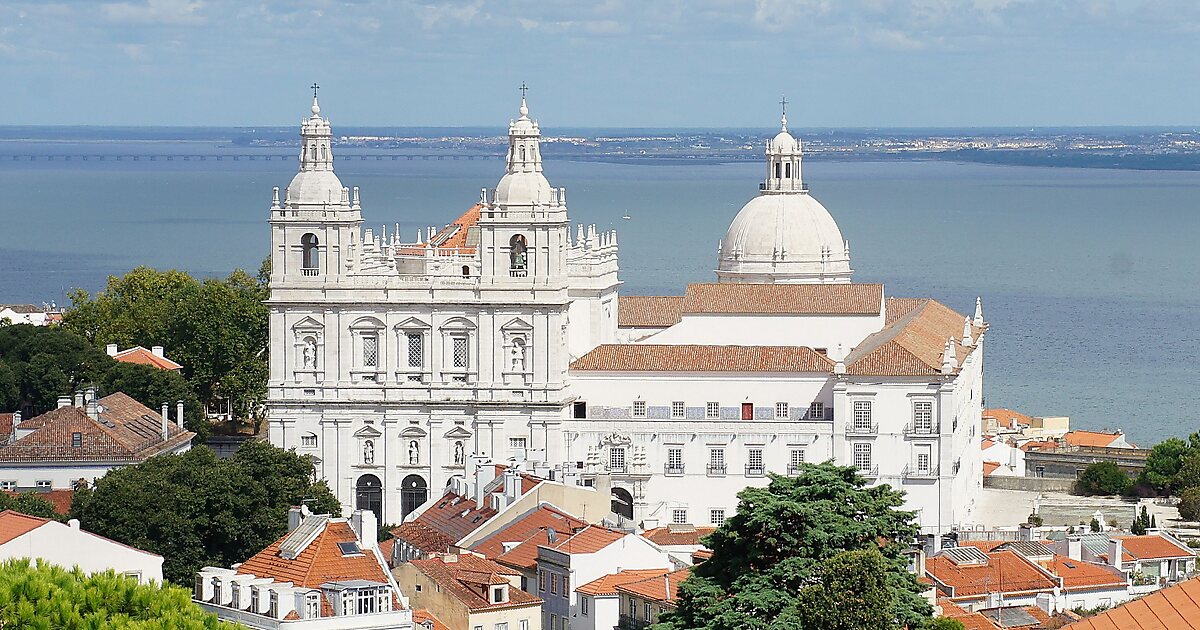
(499, 336)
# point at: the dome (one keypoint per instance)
(783, 238)
(783, 142)
(314, 187)
(523, 188)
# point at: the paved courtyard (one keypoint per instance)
(1007, 508)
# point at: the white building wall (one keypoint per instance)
(814, 331)
(68, 546)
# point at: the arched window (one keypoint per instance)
(517, 253)
(322, 153)
(368, 495)
(778, 170)
(787, 169)
(314, 152)
(413, 494)
(522, 154)
(312, 254)
(466, 271)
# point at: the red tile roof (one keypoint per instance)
(784, 299)
(425, 619)
(320, 562)
(1038, 445)
(913, 344)
(590, 539)
(663, 588)
(986, 546)
(530, 528)
(15, 524)
(696, 358)
(450, 519)
(669, 537)
(464, 576)
(6, 426)
(607, 585)
(1005, 417)
(649, 311)
(989, 468)
(1078, 575)
(141, 356)
(1173, 608)
(60, 499)
(1091, 438)
(128, 431)
(1153, 547)
(462, 233)
(1005, 572)
(424, 538)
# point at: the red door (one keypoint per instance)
(747, 411)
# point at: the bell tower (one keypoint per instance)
(523, 221)
(315, 222)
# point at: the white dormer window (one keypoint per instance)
(639, 409)
(235, 590)
(500, 594)
(273, 607)
(253, 599)
(312, 605)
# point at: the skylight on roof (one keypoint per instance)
(350, 548)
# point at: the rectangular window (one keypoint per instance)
(862, 456)
(416, 349)
(648, 611)
(639, 409)
(716, 461)
(541, 580)
(518, 442)
(862, 415)
(76, 440)
(923, 416)
(816, 411)
(8, 484)
(712, 410)
(675, 460)
(754, 461)
(924, 459)
(524, 624)
(370, 351)
(747, 411)
(503, 625)
(42, 483)
(583, 605)
(312, 605)
(677, 409)
(716, 516)
(781, 411)
(460, 352)
(308, 440)
(795, 460)
(679, 516)
(554, 583)
(579, 410)
(273, 606)
(566, 589)
(616, 458)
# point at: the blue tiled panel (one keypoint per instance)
(658, 413)
(764, 413)
(797, 413)
(617, 413)
(731, 413)
(694, 413)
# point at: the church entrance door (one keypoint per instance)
(413, 493)
(368, 495)
(622, 502)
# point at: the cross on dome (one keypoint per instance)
(524, 108)
(783, 119)
(316, 109)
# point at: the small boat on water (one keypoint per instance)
(627, 217)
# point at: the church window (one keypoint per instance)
(787, 170)
(639, 409)
(923, 416)
(616, 459)
(679, 516)
(781, 411)
(712, 410)
(416, 349)
(862, 415)
(310, 245)
(308, 440)
(777, 170)
(816, 411)
(322, 153)
(522, 154)
(677, 409)
(716, 516)
(862, 456)
(460, 354)
(370, 350)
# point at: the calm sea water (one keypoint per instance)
(1089, 277)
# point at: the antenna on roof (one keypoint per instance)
(551, 535)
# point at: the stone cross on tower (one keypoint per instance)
(524, 89)
(315, 87)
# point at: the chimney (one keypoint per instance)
(1115, 552)
(79, 399)
(93, 410)
(111, 349)
(295, 517)
(179, 413)
(164, 427)
(64, 401)
(16, 419)
(1075, 549)
(89, 395)
(367, 527)
(157, 351)
(165, 408)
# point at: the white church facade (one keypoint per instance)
(397, 363)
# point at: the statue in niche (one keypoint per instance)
(517, 251)
(369, 452)
(459, 455)
(309, 353)
(518, 356)
(414, 453)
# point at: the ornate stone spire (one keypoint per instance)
(315, 183)
(783, 160)
(523, 183)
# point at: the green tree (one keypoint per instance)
(10, 389)
(1189, 472)
(42, 596)
(1103, 478)
(1094, 525)
(945, 623)
(1164, 462)
(196, 510)
(778, 543)
(152, 387)
(217, 329)
(1189, 505)
(852, 592)
(47, 362)
(1141, 523)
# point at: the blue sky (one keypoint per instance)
(707, 63)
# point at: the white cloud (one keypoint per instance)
(432, 15)
(136, 52)
(164, 12)
(893, 39)
(777, 15)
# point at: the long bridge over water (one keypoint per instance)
(218, 157)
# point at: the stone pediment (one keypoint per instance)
(308, 323)
(458, 433)
(413, 431)
(367, 432)
(413, 323)
(517, 324)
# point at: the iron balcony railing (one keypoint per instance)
(862, 429)
(924, 429)
(755, 470)
(716, 470)
(794, 471)
(869, 473)
(673, 469)
(627, 622)
(914, 472)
